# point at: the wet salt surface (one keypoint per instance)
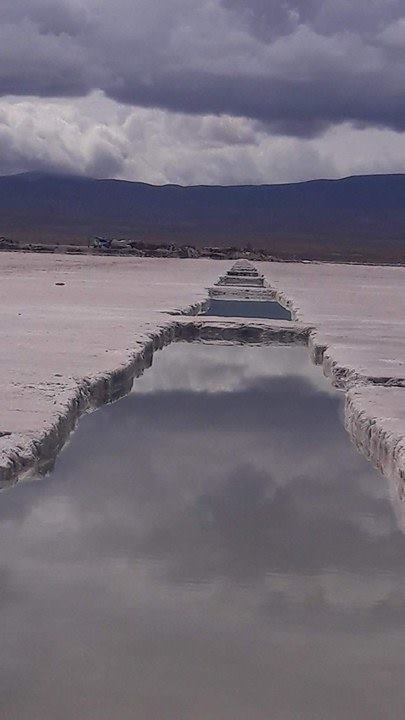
(211, 546)
(248, 308)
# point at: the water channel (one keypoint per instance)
(248, 309)
(211, 547)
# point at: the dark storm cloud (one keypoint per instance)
(50, 16)
(295, 66)
(298, 107)
(270, 18)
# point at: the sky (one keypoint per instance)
(203, 91)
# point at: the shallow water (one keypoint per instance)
(248, 309)
(209, 548)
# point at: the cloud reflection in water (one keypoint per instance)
(210, 546)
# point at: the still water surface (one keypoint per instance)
(248, 308)
(209, 548)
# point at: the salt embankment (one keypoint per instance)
(358, 318)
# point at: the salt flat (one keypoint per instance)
(72, 326)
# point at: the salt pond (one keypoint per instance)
(211, 546)
(248, 309)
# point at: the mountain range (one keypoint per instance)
(354, 217)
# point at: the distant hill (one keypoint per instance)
(361, 216)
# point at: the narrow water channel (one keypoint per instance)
(248, 309)
(211, 547)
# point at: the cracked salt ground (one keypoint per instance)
(211, 546)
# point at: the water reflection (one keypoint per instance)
(248, 309)
(209, 547)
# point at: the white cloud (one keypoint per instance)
(99, 137)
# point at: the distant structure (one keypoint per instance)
(103, 243)
(242, 273)
(242, 282)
